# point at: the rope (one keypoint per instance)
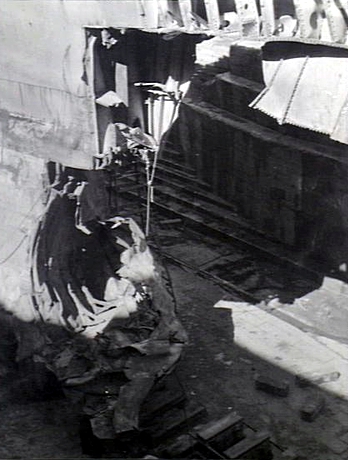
(3, 261)
(13, 252)
(164, 264)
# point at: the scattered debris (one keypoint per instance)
(306, 380)
(171, 221)
(107, 39)
(245, 360)
(272, 385)
(291, 454)
(226, 437)
(312, 407)
(220, 358)
(109, 99)
(255, 445)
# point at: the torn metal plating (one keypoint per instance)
(107, 320)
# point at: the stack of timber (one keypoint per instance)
(174, 427)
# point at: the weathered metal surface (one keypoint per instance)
(46, 107)
(23, 193)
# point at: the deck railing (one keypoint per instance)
(326, 20)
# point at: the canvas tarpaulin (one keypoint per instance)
(307, 86)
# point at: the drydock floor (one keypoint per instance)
(219, 365)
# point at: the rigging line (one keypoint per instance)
(26, 234)
(27, 215)
(12, 253)
(166, 269)
(58, 90)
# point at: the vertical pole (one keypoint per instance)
(151, 115)
(163, 9)
(249, 17)
(213, 14)
(161, 116)
(185, 11)
(91, 80)
(268, 19)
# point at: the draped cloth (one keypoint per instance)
(306, 86)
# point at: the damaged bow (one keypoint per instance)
(108, 322)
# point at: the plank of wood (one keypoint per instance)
(312, 407)
(272, 385)
(223, 432)
(175, 420)
(121, 82)
(253, 443)
(180, 447)
(169, 395)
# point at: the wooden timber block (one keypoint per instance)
(180, 447)
(173, 421)
(255, 446)
(312, 407)
(171, 221)
(222, 433)
(272, 385)
(307, 380)
(217, 434)
(165, 395)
